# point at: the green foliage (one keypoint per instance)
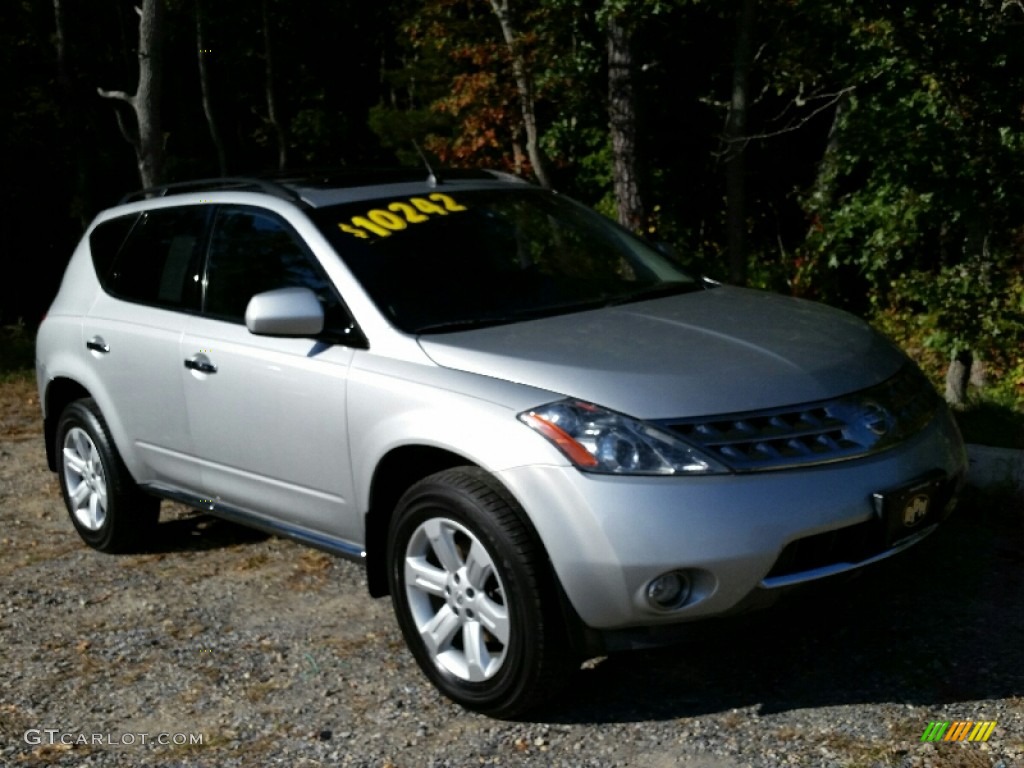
(920, 193)
(975, 305)
(402, 129)
(452, 90)
(884, 156)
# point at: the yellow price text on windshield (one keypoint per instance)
(396, 216)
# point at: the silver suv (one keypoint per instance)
(542, 437)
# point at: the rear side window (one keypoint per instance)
(159, 260)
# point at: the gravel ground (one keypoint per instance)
(273, 655)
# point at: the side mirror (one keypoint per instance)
(285, 312)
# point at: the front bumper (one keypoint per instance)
(733, 535)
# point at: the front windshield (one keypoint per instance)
(457, 259)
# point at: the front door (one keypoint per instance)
(267, 415)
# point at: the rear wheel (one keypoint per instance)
(107, 509)
(474, 596)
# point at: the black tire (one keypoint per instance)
(484, 586)
(106, 507)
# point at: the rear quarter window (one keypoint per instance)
(153, 258)
(105, 242)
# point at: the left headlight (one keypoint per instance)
(598, 440)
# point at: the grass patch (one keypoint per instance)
(254, 561)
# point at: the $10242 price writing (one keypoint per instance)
(398, 215)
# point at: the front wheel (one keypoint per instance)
(474, 595)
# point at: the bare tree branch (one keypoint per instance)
(116, 95)
(145, 135)
(795, 125)
(130, 136)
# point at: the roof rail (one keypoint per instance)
(228, 182)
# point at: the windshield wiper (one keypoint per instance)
(512, 316)
(463, 324)
(548, 310)
(654, 292)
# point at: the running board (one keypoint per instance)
(320, 541)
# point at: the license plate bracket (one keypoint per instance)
(907, 509)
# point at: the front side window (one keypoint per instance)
(158, 260)
(252, 251)
(466, 258)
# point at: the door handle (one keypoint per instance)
(97, 344)
(201, 364)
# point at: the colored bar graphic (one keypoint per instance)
(982, 731)
(959, 730)
(934, 731)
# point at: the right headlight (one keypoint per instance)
(598, 440)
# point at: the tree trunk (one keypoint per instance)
(958, 375)
(70, 118)
(151, 138)
(518, 154)
(61, 46)
(824, 190)
(735, 144)
(272, 116)
(524, 87)
(204, 88)
(147, 137)
(622, 121)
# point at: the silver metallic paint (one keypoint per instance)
(289, 435)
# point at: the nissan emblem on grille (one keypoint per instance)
(876, 419)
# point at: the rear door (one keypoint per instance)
(267, 415)
(149, 266)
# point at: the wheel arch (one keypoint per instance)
(59, 392)
(395, 473)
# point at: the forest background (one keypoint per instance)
(864, 153)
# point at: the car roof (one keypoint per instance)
(316, 189)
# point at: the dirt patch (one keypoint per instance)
(20, 417)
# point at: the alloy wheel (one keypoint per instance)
(85, 479)
(457, 600)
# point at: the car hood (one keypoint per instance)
(716, 351)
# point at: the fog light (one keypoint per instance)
(670, 590)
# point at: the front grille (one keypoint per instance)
(815, 433)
